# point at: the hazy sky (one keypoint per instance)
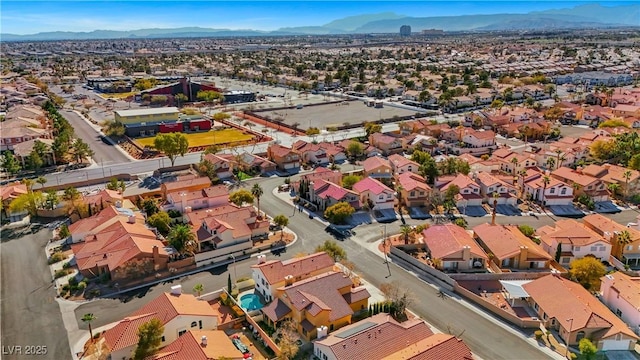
(29, 17)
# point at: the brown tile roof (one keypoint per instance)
(276, 270)
(165, 308)
(462, 181)
(279, 150)
(448, 239)
(375, 162)
(321, 293)
(573, 176)
(189, 346)
(435, 347)
(186, 183)
(398, 161)
(569, 232)
(276, 310)
(626, 286)
(227, 217)
(381, 336)
(506, 241)
(210, 192)
(410, 181)
(12, 191)
(563, 300)
(602, 224)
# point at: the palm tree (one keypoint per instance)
(522, 173)
(623, 238)
(41, 180)
(257, 192)
(614, 189)
(627, 175)
(198, 289)
(407, 231)
(551, 163)
(400, 201)
(545, 181)
(88, 318)
(558, 154)
(515, 163)
(182, 238)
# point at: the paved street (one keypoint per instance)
(105, 153)
(30, 314)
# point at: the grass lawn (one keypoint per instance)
(242, 176)
(206, 138)
(118, 95)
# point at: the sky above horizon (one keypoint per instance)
(32, 16)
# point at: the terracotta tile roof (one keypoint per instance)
(279, 150)
(165, 308)
(241, 221)
(210, 192)
(563, 300)
(372, 185)
(375, 162)
(462, 181)
(573, 176)
(87, 224)
(12, 191)
(398, 161)
(410, 181)
(569, 232)
(189, 346)
(446, 240)
(105, 197)
(321, 173)
(602, 225)
(627, 287)
(275, 271)
(506, 241)
(375, 338)
(503, 153)
(380, 138)
(216, 159)
(611, 173)
(321, 293)
(470, 159)
(487, 179)
(328, 190)
(186, 183)
(435, 347)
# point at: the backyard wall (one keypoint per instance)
(407, 261)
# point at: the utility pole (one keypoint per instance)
(384, 249)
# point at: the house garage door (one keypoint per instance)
(615, 345)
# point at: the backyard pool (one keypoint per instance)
(250, 302)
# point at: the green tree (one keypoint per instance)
(355, 149)
(257, 192)
(149, 339)
(371, 128)
(221, 116)
(281, 221)
(82, 150)
(182, 239)
(587, 271)
(229, 285)
(41, 180)
(51, 199)
(34, 161)
(150, 206)
(241, 197)
(587, 349)
(199, 288)
(88, 318)
(181, 99)
(71, 194)
(334, 250)
(558, 252)
(407, 232)
(339, 212)
(161, 221)
(29, 202)
(64, 232)
(288, 340)
(10, 163)
(172, 145)
(527, 230)
(350, 180)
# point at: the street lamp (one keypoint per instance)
(384, 247)
(566, 354)
(235, 274)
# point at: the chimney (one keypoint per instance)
(187, 209)
(176, 290)
(524, 253)
(322, 331)
(132, 219)
(262, 259)
(288, 280)
(203, 340)
(466, 252)
(156, 255)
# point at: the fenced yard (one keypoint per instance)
(214, 137)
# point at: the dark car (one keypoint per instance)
(339, 234)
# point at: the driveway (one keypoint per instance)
(30, 313)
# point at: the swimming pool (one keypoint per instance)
(250, 302)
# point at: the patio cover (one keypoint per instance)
(514, 288)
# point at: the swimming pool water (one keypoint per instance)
(250, 302)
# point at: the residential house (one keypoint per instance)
(621, 293)
(414, 190)
(14, 132)
(224, 230)
(200, 345)
(184, 201)
(9, 193)
(374, 194)
(615, 174)
(584, 184)
(254, 164)
(494, 189)
(367, 150)
(386, 143)
(222, 165)
(628, 252)
(377, 338)
(325, 194)
(451, 248)
(465, 140)
(313, 154)
(545, 189)
(401, 164)
(123, 248)
(178, 313)
(185, 183)
(377, 167)
(106, 217)
(511, 166)
(324, 302)
(105, 198)
(510, 248)
(271, 275)
(22, 151)
(570, 240)
(469, 194)
(285, 158)
(570, 309)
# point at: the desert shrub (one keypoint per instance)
(538, 334)
(56, 257)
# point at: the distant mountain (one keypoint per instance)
(583, 16)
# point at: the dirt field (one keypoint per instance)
(206, 138)
(329, 115)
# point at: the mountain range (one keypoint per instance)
(583, 16)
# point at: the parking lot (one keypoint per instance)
(331, 115)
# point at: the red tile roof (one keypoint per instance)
(375, 162)
(448, 239)
(506, 241)
(569, 232)
(275, 271)
(189, 346)
(372, 185)
(435, 347)
(10, 192)
(328, 190)
(398, 161)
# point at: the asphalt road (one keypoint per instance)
(105, 153)
(30, 314)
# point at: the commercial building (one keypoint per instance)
(148, 122)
